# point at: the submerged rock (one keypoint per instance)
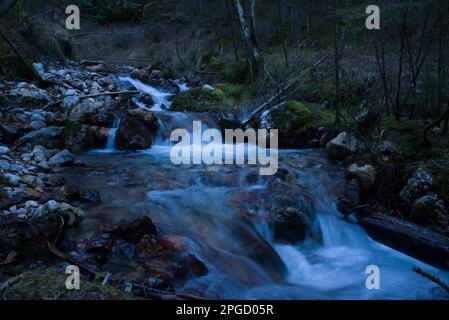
(102, 243)
(290, 225)
(133, 230)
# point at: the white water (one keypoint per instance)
(161, 99)
(200, 210)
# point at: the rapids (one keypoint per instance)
(197, 202)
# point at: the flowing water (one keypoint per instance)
(198, 202)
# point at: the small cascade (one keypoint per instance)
(110, 145)
(160, 98)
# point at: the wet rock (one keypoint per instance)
(101, 243)
(133, 230)
(417, 186)
(159, 280)
(18, 194)
(387, 148)
(69, 193)
(62, 158)
(349, 197)
(343, 145)
(49, 137)
(145, 116)
(127, 249)
(133, 135)
(365, 174)
(148, 245)
(191, 266)
(91, 196)
(173, 243)
(429, 210)
(81, 139)
(290, 225)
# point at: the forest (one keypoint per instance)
(94, 96)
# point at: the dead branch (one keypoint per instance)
(283, 87)
(147, 291)
(112, 93)
(432, 278)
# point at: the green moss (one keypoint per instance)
(49, 284)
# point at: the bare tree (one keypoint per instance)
(248, 32)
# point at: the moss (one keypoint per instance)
(49, 284)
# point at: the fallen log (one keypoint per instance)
(431, 277)
(409, 238)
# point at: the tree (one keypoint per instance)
(249, 32)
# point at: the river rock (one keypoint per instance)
(349, 197)
(429, 209)
(71, 98)
(133, 135)
(86, 109)
(72, 216)
(290, 225)
(101, 243)
(4, 150)
(26, 96)
(63, 158)
(343, 145)
(49, 137)
(36, 125)
(365, 174)
(133, 230)
(145, 116)
(417, 186)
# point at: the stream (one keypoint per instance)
(198, 202)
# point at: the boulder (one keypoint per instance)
(133, 134)
(145, 116)
(72, 216)
(429, 210)
(62, 158)
(86, 109)
(343, 145)
(49, 137)
(417, 186)
(25, 96)
(133, 230)
(71, 98)
(290, 225)
(349, 197)
(365, 174)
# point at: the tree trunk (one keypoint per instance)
(337, 70)
(248, 35)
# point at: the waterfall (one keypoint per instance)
(110, 145)
(160, 98)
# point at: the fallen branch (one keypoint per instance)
(109, 93)
(148, 292)
(431, 277)
(283, 87)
